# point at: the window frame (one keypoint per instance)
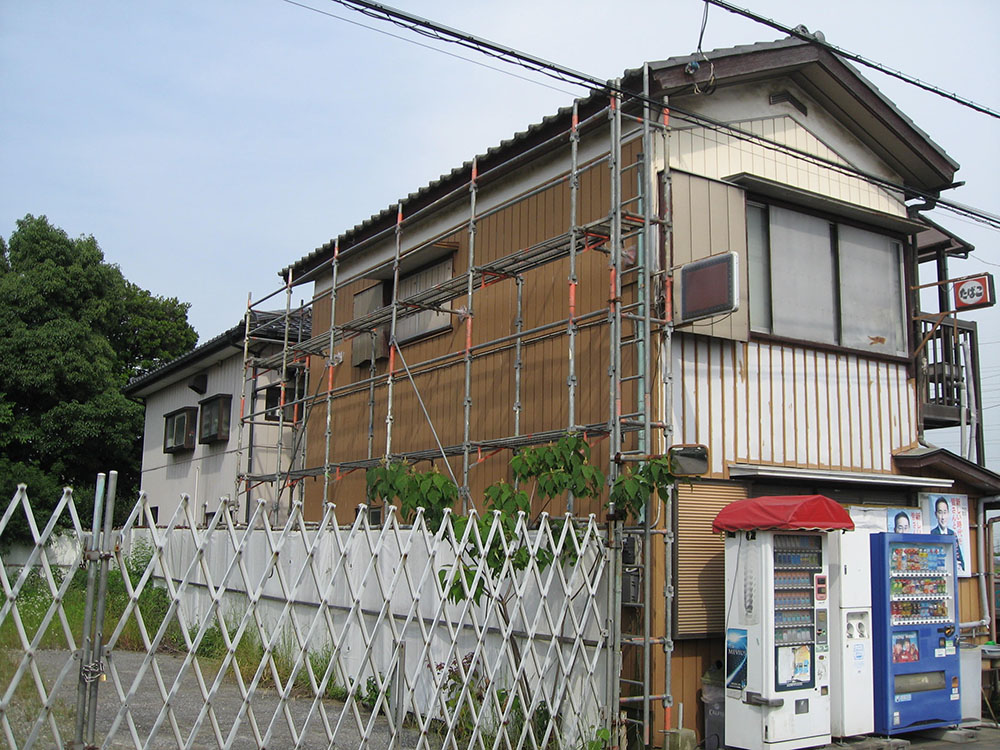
(835, 223)
(436, 325)
(272, 401)
(190, 414)
(224, 428)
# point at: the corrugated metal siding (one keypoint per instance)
(765, 403)
(718, 155)
(701, 566)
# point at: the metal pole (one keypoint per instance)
(614, 396)
(574, 196)
(281, 400)
(643, 249)
(91, 554)
(243, 402)
(667, 370)
(399, 715)
(97, 671)
(392, 333)
(467, 417)
(329, 377)
(614, 292)
(518, 354)
(372, 373)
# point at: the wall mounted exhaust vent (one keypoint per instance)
(199, 383)
(783, 97)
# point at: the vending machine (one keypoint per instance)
(852, 686)
(914, 606)
(777, 622)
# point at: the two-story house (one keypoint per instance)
(200, 408)
(537, 289)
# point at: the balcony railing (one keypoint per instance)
(949, 374)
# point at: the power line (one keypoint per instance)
(440, 32)
(800, 33)
(425, 46)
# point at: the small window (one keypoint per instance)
(368, 344)
(272, 402)
(214, 426)
(414, 323)
(178, 430)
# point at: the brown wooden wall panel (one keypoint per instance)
(544, 358)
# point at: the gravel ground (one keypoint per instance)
(187, 703)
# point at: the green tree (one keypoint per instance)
(73, 332)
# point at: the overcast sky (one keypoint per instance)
(206, 144)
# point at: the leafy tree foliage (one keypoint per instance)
(73, 332)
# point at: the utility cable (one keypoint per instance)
(565, 74)
(426, 46)
(800, 33)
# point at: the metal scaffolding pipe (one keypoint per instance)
(335, 263)
(469, 316)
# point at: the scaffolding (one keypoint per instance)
(633, 234)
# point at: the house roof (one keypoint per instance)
(833, 82)
(942, 462)
(838, 86)
(267, 327)
(935, 238)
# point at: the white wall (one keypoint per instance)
(210, 471)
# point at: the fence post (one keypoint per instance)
(399, 702)
(91, 556)
(98, 556)
(97, 671)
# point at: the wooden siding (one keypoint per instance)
(767, 403)
(718, 155)
(709, 218)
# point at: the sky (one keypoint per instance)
(207, 145)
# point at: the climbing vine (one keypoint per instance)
(545, 472)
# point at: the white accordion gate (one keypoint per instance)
(484, 633)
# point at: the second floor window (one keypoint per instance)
(418, 323)
(178, 430)
(814, 279)
(214, 424)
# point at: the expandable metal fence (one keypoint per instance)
(308, 636)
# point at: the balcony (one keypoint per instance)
(949, 372)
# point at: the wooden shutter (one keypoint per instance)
(701, 583)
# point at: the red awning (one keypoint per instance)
(812, 512)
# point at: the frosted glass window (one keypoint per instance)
(759, 254)
(803, 277)
(871, 290)
(815, 280)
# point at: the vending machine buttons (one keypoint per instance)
(819, 584)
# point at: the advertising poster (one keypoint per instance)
(736, 658)
(904, 521)
(905, 647)
(949, 515)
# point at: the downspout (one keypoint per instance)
(981, 559)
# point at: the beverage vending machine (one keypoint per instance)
(778, 620)
(915, 611)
